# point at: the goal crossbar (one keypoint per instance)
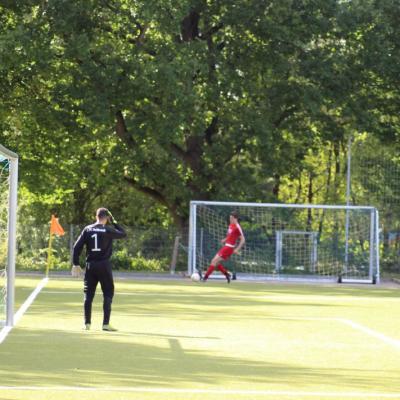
(280, 205)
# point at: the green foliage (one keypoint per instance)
(121, 260)
(151, 265)
(191, 89)
(38, 262)
(145, 249)
(143, 106)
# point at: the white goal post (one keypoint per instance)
(289, 241)
(8, 224)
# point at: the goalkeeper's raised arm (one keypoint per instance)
(111, 218)
(116, 231)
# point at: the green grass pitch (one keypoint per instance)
(179, 340)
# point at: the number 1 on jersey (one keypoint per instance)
(95, 243)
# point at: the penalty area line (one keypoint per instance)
(21, 311)
(371, 332)
(274, 393)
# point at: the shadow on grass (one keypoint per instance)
(55, 357)
(54, 354)
(184, 300)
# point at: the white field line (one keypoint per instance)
(377, 335)
(244, 296)
(348, 322)
(4, 332)
(21, 311)
(339, 395)
(370, 332)
(294, 394)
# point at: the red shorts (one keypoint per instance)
(225, 252)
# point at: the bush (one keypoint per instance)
(145, 248)
(39, 263)
(121, 260)
(147, 264)
(28, 263)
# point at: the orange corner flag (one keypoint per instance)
(55, 226)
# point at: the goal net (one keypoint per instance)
(289, 241)
(374, 169)
(8, 209)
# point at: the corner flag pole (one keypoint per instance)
(55, 229)
(49, 254)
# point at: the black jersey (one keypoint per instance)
(98, 240)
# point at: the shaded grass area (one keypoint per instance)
(180, 335)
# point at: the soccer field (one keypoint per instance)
(180, 340)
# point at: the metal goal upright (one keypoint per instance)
(9, 221)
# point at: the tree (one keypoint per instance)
(181, 100)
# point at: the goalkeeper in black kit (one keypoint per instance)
(98, 239)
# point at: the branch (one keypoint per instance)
(122, 131)
(194, 147)
(178, 151)
(154, 194)
(191, 157)
(160, 198)
(285, 114)
(190, 26)
(142, 32)
(211, 130)
(211, 31)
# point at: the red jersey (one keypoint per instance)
(234, 233)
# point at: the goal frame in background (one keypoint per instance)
(280, 234)
(373, 267)
(12, 232)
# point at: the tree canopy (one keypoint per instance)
(149, 104)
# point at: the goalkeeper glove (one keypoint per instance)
(112, 219)
(76, 271)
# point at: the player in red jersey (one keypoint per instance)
(234, 234)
